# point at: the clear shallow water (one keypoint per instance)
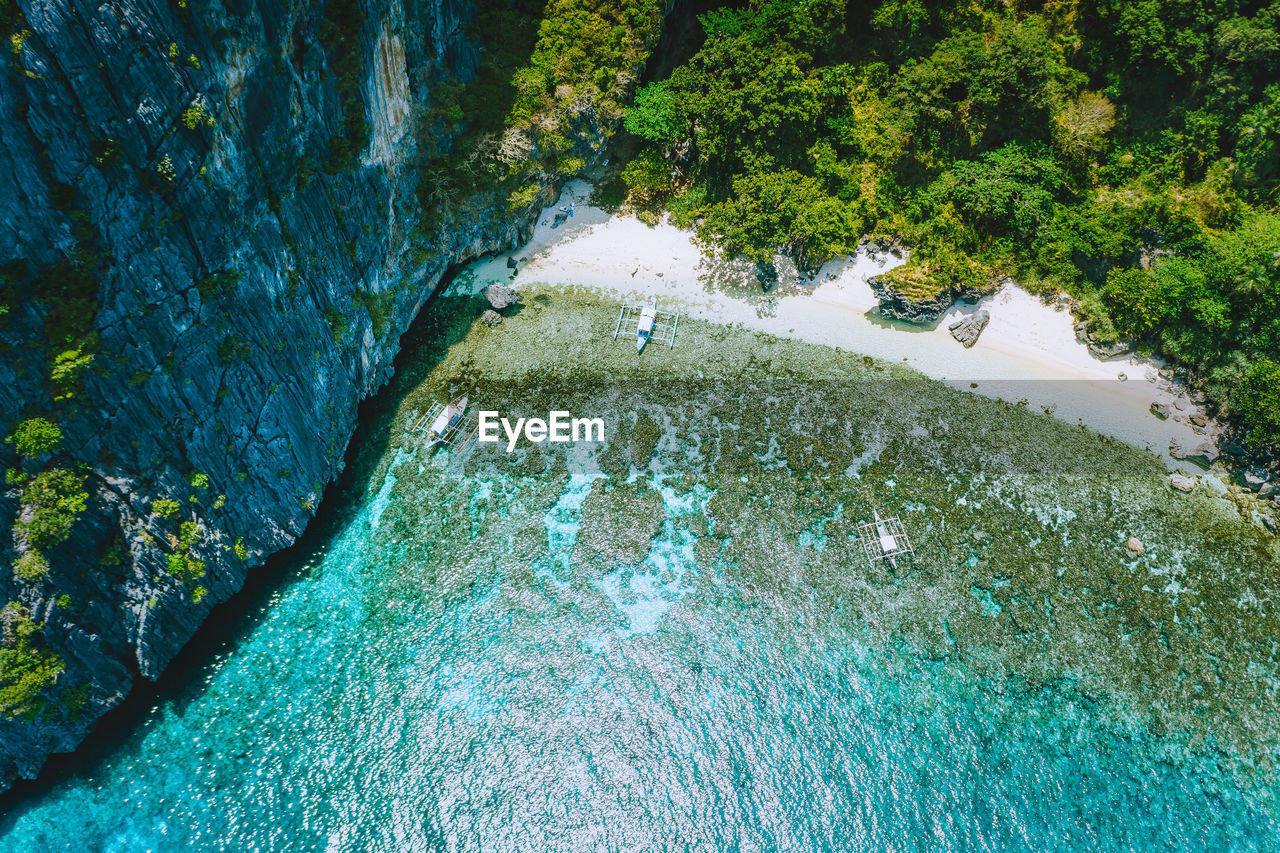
(590, 652)
(523, 715)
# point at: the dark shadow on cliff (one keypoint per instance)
(442, 322)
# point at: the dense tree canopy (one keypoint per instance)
(1126, 152)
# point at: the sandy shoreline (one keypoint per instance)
(1028, 351)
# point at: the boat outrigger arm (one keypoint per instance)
(447, 425)
(650, 324)
(884, 539)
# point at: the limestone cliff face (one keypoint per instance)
(247, 298)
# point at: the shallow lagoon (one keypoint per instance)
(672, 641)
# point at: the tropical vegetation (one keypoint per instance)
(1128, 153)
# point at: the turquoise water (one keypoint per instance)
(674, 642)
(520, 705)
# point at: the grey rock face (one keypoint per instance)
(896, 306)
(248, 297)
(500, 296)
(1203, 454)
(967, 329)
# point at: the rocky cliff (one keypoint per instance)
(213, 233)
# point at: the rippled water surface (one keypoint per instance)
(668, 642)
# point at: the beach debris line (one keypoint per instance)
(448, 425)
(649, 324)
(884, 539)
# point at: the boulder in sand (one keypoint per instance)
(500, 296)
(966, 329)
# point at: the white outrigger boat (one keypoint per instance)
(884, 539)
(650, 323)
(447, 424)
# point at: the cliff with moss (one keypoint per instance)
(217, 219)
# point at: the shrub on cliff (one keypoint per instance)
(36, 436)
(31, 567)
(28, 668)
(54, 498)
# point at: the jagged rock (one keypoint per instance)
(1135, 545)
(1254, 478)
(512, 263)
(1107, 349)
(1267, 490)
(897, 306)
(500, 296)
(491, 317)
(559, 219)
(1269, 521)
(967, 329)
(1161, 410)
(1203, 454)
(1182, 482)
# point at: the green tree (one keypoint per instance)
(655, 115)
(1011, 190)
(1257, 400)
(1137, 304)
(781, 210)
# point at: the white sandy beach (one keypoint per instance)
(1028, 351)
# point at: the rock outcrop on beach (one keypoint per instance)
(967, 329)
(1101, 347)
(237, 190)
(921, 310)
(1203, 454)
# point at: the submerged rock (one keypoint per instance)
(1161, 410)
(967, 329)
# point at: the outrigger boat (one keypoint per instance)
(447, 424)
(884, 539)
(650, 323)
